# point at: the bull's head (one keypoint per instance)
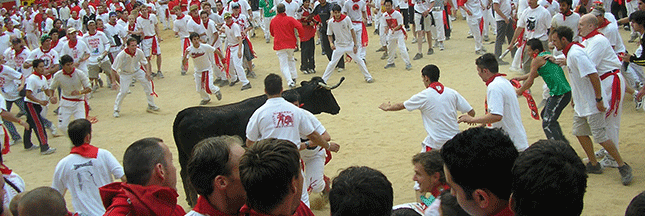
(316, 96)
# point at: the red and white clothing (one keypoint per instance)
(71, 107)
(235, 69)
(9, 81)
(16, 180)
(354, 10)
(473, 20)
(244, 7)
(203, 60)
(49, 57)
(438, 106)
(5, 41)
(502, 100)
(98, 43)
(279, 119)
(291, 8)
(395, 38)
(118, 37)
(15, 59)
(149, 43)
(75, 23)
(76, 50)
(314, 160)
(283, 28)
(181, 28)
(195, 25)
(37, 85)
(211, 30)
(83, 174)
(570, 20)
(536, 23)
(130, 66)
(582, 92)
(344, 42)
(204, 208)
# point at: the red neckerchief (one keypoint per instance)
(197, 19)
(130, 53)
(131, 27)
(436, 191)
(342, 17)
(39, 75)
(10, 30)
(390, 12)
(85, 150)
(124, 20)
(181, 16)
(604, 23)
(505, 212)
(4, 169)
(493, 78)
(90, 34)
(205, 208)
(205, 23)
(235, 16)
(591, 34)
(72, 43)
(112, 24)
(99, 29)
(102, 13)
(356, 0)
(437, 86)
(70, 74)
(141, 15)
(41, 49)
(566, 14)
(18, 52)
(220, 12)
(568, 47)
(229, 25)
(54, 44)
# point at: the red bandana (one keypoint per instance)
(131, 27)
(390, 12)
(70, 74)
(568, 47)
(146, 17)
(18, 52)
(566, 14)
(41, 49)
(197, 19)
(181, 16)
(54, 44)
(490, 80)
(39, 75)
(437, 86)
(130, 53)
(436, 192)
(85, 150)
(342, 17)
(4, 169)
(205, 208)
(591, 34)
(72, 43)
(604, 23)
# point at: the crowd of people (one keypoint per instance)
(55, 52)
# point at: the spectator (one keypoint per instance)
(637, 206)
(361, 191)
(42, 201)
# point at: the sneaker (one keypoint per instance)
(340, 69)
(204, 102)
(54, 130)
(297, 49)
(452, 18)
(608, 162)
(267, 40)
(56, 110)
(312, 71)
(116, 114)
(159, 74)
(100, 83)
(639, 103)
(417, 56)
(441, 47)
(32, 147)
(414, 40)
(480, 52)
(52, 150)
(183, 73)
(251, 74)
(245, 87)
(16, 141)
(625, 174)
(223, 83)
(152, 109)
(233, 83)
(436, 44)
(500, 62)
(292, 85)
(408, 67)
(469, 36)
(600, 154)
(217, 81)
(304, 71)
(384, 56)
(389, 66)
(486, 38)
(218, 95)
(597, 169)
(369, 80)
(382, 49)
(430, 51)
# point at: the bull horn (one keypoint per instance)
(328, 87)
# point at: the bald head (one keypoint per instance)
(587, 24)
(42, 201)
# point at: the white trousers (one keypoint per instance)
(393, 43)
(126, 80)
(287, 65)
(266, 23)
(613, 121)
(382, 30)
(439, 32)
(489, 21)
(337, 54)
(358, 30)
(473, 24)
(162, 15)
(204, 84)
(314, 169)
(236, 70)
(69, 111)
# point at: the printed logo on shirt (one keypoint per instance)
(530, 23)
(86, 164)
(197, 55)
(283, 119)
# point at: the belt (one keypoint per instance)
(72, 99)
(357, 21)
(149, 37)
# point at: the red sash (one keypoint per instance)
(186, 44)
(218, 62)
(6, 141)
(154, 44)
(364, 36)
(228, 59)
(615, 92)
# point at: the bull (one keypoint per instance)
(194, 124)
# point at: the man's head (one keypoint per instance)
(71, 34)
(272, 166)
(565, 5)
(132, 44)
(477, 164)
(228, 18)
(194, 11)
(149, 162)
(80, 131)
(214, 171)
(487, 66)
(535, 46)
(67, 62)
(42, 201)
(235, 7)
(91, 26)
(195, 39)
(561, 37)
(548, 175)
(361, 191)
(587, 24)
(637, 20)
(219, 5)
(39, 66)
(428, 170)
(16, 43)
(204, 16)
(533, 4)
(13, 205)
(206, 6)
(388, 5)
(637, 206)
(292, 97)
(430, 74)
(280, 8)
(273, 85)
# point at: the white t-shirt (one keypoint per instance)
(5, 42)
(601, 54)
(77, 52)
(211, 30)
(11, 192)
(505, 7)
(50, 58)
(147, 25)
(75, 23)
(83, 177)
(9, 81)
(279, 119)
(615, 40)
(15, 61)
(502, 101)
(393, 20)
(37, 85)
(571, 21)
(124, 63)
(355, 10)
(242, 20)
(422, 5)
(341, 31)
(196, 27)
(582, 93)
(97, 44)
(181, 26)
(232, 32)
(244, 6)
(202, 57)
(76, 82)
(553, 7)
(118, 36)
(439, 114)
(536, 22)
(291, 8)
(475, 8)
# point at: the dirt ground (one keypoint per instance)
(368, 136)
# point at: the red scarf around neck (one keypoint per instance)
(591, 34)
(129, 52)
(205, 208)
(568, 47)
(70, 74)
(197, 19)
(72, 43)
(18, 52)
(39, 75)
(566, 14)
(181, 16)
(437, 86)
(131, 27)
(53, 44)
(342, 17)
(604, 23)
(206, 24)
(85, 150)
(490, 80)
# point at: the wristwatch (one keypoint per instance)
(598, 99)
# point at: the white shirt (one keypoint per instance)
(615, 40)
(202, 57)
(77, 52)
(83, 177)
(439, 114)
(49, 59)
(118, 36)
(75, 23)
(181, 26)
(76, 82)
(422, 5)
(244, 7)
(291, 8)
(355, 15)
(571, 21)
(98, 43)
(341, 31)
(582, 92)
(37, 86)
(536, 22)
(9, 80)
(5, 42)
(196, 27)
(279, 119)
(49, 24)
(502, 101)
(553, 7)
(16, 61)
(475, 8)
(393, 20)
(124, 63)
(505, 7)
(232, 33)
(242, 20)
(147, 25)
(64, 13)
(211, 30)
(601, 54)
(11, 192)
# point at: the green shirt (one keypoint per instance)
(553, 76)
(267, 5)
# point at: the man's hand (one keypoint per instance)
(333, 47)
(148, 77)
(384, 106)
(43, 102)
(626, 57)
(355, 49)
(115, 86)
(601, 106)
(469, 13)
(53, 100)
(24, 124)
(239, 53)
(333, 147)
(518, 92)
(465, 118)
(640, 94)
(75, 93)
(425, 13)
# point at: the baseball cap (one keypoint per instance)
(194, 7)
(112, 14)
(71, 30)
(235, 5)
(227, 15)
(45, 37)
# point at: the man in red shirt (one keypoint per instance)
(284, 43)
(151, 187)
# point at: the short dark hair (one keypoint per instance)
(210, 158)
(549, 174)
(431, 71)
(488, 61)
(637, 206)
(280, 8)
(273, 84)
(638, 17)
(273, 162)
(386, 1)
(361, 191)
(535, 44)
(36, 62)
(450, 206)
(564, 32)
(291, 96)
(16, 41)
(481, 152)
(193, 35)
(569, 2)
(78, 130)
(140, 158)
(431, 162)
(204, 12)
(42, 201)
(66, 59)
(335, 7)
(405, 212)
(131, 39)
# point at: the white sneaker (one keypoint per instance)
(609, 162)
(639, 103)
(441, 47)
(54, 130)
(152, 109)
(116, 114)
(601, 153)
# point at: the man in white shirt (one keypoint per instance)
(567, 18)
(117, 36)
(77, 49)
(129, 65)
(423, 23)
(340, 30)
(147, 22)
(73, 84)
(180, 27)
(64, 12)
(589, 109)
(438, 106)
(503, 109)
(396, 36)
(12, 82)
(534, 22)
(202, 55)
(38, 95)
(99, 46)
(86, 169)
(234, 52)
(356, 11)
(505, 29)
(291, 7)
(474, 13)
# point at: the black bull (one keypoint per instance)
(194, 124)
